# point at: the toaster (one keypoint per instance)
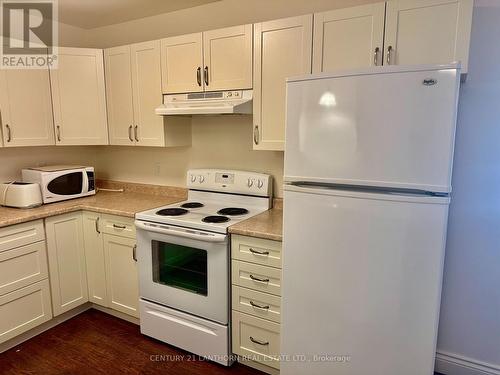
(20, 194)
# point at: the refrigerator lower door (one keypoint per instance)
(380, 128)
(362, 277)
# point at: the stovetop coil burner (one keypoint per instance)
(192, 205)
(215, 219)
(233, 211)
(172, 212)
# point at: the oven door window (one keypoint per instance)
(67, 184)
(180, 267)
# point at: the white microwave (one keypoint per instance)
(61, 182)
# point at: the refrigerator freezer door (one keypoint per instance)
(362, 279)
(392, 129)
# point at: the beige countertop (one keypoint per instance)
(115, 203)
(267, 225)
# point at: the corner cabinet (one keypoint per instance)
(282, 49)
(133, 88)
(26, 107)
(67, 267)
(78, 97)
(209, 61)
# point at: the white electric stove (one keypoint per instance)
(183, 258)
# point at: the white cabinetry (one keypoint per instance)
(67, 267)
(133, 87)
(78, 97)
(26, 107)
(209, 61)
(282, 49)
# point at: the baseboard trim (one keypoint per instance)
(116, 314)
(455, 364)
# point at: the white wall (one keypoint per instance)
(470, 311)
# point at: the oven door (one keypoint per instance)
(184, 269)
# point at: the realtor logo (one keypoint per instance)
(30, 31)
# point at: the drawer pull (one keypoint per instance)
(259, 306)
(257, 252)
(119, 226)
(258, 279)
(259, 342)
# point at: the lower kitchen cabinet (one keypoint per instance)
(121, 274)
(67, 267)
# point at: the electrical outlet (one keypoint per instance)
(157, 169)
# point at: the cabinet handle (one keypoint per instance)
(257, 252)
(258, 279)
(375, 56)
(389, 54)
(136, 133)
(259, 306)
(9, 133)
(256, 135)
(205, 74)
(130, 133)
(258, 342)
(97, 225)
(198, 76)
(119, 226)
(134, 253)
(58, 128)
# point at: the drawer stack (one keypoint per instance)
(256, 299)
(24, 285)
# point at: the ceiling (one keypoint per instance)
(89, 14)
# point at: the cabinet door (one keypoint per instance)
(121, 274)
(282, 49)
(348, 38)
(94, 258)
(428, 31)
(78, 97)
(26, 108)
(67, 268)
(182, 64)
(146, 81)
(228, 58)
(119, 95)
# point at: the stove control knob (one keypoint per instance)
(193, 178)
(260, 183)
(202, 178)
(249, 182)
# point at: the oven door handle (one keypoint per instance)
(180, 232)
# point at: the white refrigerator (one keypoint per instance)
(368, 163)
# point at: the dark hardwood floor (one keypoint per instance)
(97, 343)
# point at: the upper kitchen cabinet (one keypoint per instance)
(348, 38)
(282, 49)
(428, 31)
(26, 108)
(209, 61)
(78, 97)
(134, 90)
(227, 56)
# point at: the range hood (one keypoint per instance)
(207, 103)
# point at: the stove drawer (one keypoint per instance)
(117, 225)
(256, 277)
(255, 303)
(256, 250)
(256, 338)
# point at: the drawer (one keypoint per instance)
(21, 234)
(256, 277)
(255, 303)
(256, 250)
(24, 309)
(118, 225)
(256, 339)
(22, 266)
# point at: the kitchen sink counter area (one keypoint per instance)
(126, 203)
(268, 225)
